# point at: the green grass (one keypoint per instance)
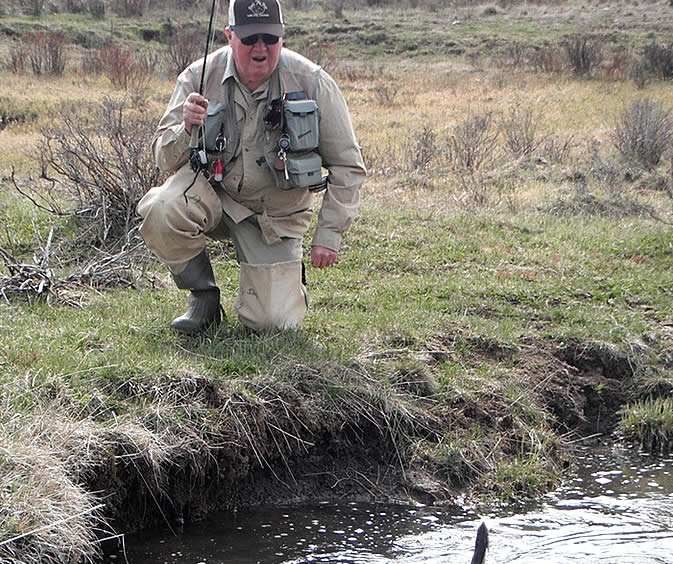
(649, 423)
(441, 330)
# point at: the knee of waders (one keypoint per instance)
(271, 296)
(175, 219)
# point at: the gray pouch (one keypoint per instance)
(301, 124)
(304, 170)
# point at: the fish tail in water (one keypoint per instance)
(480, 545)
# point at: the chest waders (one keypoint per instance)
(204, 303)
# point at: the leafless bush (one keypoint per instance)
(386, 93)
(92, 62)
(102, 167)
(619, 65)
(34, 7)
(643, 133)
(130, 8)
(658, 61)
(556, 149)
(184, 46)
(96, 8)
(126, 69)
(472, 141)
(18, 55)
(607, 171)
(334, 7)
(640, 76)
(47, 52)
(547, 59)
(75, 6)
(354, 71)
(421, 149)
(515, 55)
(584, 54)
(520, 131)
(320, 54)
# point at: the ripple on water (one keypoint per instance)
(616, 510)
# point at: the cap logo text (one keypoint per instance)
(258, 9)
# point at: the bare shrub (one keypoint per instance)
(184, 46)
(640, 76)
(47, 52)
(354, 71)
(92, 62)
(320, 54)
(18, 56)
(386, 93)
(102, 166)
(334, 7)
(556, 149)
(34, 7)
(643, 133)
(584, 54)
(130, 8)
(36, 52)
(125, 69)
(56, 53)
(472, 141)
(96, 8)
(619, 65)
(547, 59)
(474, 187)
(75, 6)
(421, 149)
(520, 131)
(516, 55)
(658, 60)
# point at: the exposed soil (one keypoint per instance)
(334, 432)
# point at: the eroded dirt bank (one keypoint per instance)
(384, 427)
(404, 423)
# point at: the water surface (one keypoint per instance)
(617, 509)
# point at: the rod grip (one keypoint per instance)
(194, 141)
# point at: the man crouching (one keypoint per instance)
(268, 122)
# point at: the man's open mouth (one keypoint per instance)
(259, 59)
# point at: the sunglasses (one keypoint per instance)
(266, 37)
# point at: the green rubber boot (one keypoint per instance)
(204, 302)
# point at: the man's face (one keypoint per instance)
(254, 63)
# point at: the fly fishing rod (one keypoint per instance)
(198, 157)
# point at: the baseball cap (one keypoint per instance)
(248, 17)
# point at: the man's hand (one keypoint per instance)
(194, 111)
(322, 257)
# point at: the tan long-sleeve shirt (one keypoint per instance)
(251, 186)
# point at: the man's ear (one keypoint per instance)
(228, 32)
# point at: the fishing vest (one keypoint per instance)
(294, 73)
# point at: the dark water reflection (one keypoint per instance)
(618, 509)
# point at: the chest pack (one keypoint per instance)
(298, 142)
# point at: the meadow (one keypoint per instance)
(504, 295)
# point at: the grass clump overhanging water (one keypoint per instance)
(649, 423)
(504, 293)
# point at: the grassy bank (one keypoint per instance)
(504, 294)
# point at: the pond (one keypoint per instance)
(617, 508)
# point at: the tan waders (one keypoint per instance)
(204, 302)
